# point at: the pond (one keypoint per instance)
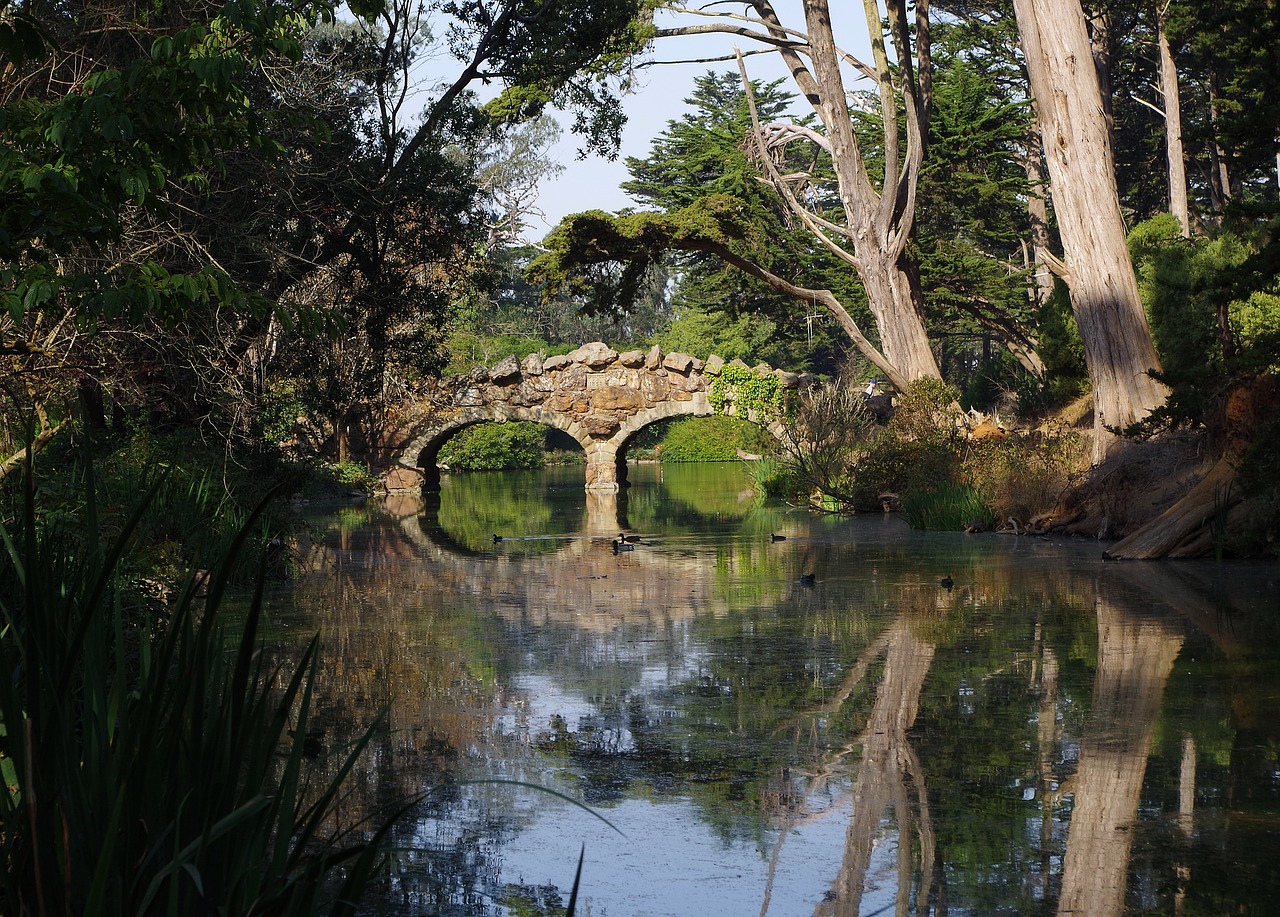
(724, 722)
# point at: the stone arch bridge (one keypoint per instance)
(598, 396)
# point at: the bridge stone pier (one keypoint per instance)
(598, 396)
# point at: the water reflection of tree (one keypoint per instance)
(1135, 656)
(889, 778)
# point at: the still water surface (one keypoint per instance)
(1053, 734)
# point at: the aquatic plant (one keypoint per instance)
(947, 508)
(152, 764)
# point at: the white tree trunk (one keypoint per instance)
(1119, 351)
(878, 221)
(1038, 214)
(1172, 125)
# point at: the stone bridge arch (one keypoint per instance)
(596, 395)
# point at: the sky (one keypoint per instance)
(592, 184)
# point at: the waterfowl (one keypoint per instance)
(621, 545)
(777, 537)
(623, 536)
(808, 579)
(497, 538)
(947, 582)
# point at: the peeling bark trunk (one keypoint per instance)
(878, 221)
(1172, 107)
(1038, 214)
(1174, 532)
(1134, 660)
(1099, 31)
(1119, 351)
(895, 302)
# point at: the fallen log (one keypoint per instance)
(1188, 522)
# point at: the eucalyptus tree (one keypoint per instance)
(859, 212)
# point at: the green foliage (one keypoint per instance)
(156, 765)
(709, 439)
(776, 479)
(495, 447)
(1259, 482)
(351, 474)
(702, 156)
(703, 332)
(971, 208)
(127, 137)
(946, 508)
(192, 517)
(925, 411)
(580, 251)
(748, 392)
(1181, 283)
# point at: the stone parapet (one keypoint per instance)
(597, 395)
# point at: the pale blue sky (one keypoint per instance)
(593, 183)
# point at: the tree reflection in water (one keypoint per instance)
(1023, 743)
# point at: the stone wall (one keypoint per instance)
(597, 395)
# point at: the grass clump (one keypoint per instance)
(948, 507)
(496, 447)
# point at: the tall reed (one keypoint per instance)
(152, 764)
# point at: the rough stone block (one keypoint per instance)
(681, 396)
(505, 370)
(617, 398)
(632, 358)
(469, 397)
(653, 388)
(596, 354)
(573, 378)
(555, 362)
(788, 380)
(600, 424)
(532, 365)
(680, 362)
(479, 373)
(526, 396)
(737, 361)
(653, 359)
(401, 478)
(713, 365)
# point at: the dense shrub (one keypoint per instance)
(495, 447)
(711, 439)
(918, 450)
(1022, 475)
